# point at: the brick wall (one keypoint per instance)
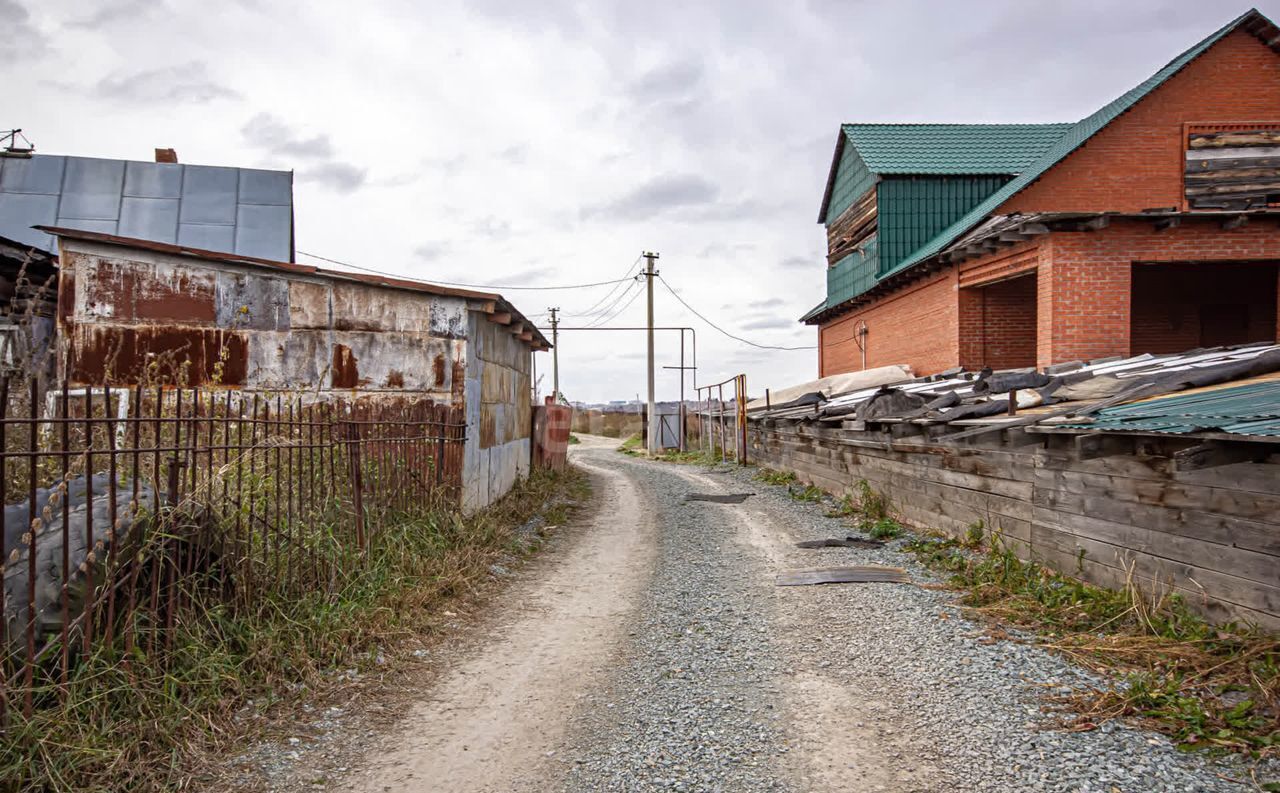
(1086, 278)
(1182, 306)
(998, 324)
(917, 326)
(1136, 162)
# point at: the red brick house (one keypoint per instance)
(1152, 225)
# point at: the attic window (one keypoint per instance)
(1231, 167)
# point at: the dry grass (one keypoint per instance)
(1207, 686)
(130, 724)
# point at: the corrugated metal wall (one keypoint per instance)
(914, 209)
(853, 180)
(854, 274)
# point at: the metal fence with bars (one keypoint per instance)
(123, 507)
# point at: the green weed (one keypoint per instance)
(772, 477)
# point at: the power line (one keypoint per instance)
(455, 283)
(676, 295)
(601, 301)
(617, 313)
(606, 312)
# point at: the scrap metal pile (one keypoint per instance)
(1063, 393)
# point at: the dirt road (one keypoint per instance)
(655, 653)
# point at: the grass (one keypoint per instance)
(772, 477)
(1213, 687)
(574, 440)
(138, 725)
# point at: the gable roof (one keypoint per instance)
(942, 149)
(1252, 20)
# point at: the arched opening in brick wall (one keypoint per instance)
(1184, 305)
(998, 324)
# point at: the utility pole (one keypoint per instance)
(651, 444)
(555, 357)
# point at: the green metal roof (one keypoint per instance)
(953, 149)
(1075, 137)
(1252, 409)
(878, 144)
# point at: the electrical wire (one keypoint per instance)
(601, 301)
(608, 311)
(467, 286)
(676, 295)
(606, 318)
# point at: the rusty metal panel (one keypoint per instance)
(358, 307)
(288, 359)
(488, 426)
(252, 301)
(449, 318)
(108, 353)
(124, 290)
(308, 304)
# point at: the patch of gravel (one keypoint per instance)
(950, 695)
(693, 706)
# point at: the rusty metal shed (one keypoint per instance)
(243, 322)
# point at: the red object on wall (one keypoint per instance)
(551, 435)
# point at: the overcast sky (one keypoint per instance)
(522, 143)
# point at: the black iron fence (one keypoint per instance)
(124, 507)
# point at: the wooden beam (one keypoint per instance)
(516, 328)
(501, 318)
(526, 336)
(1215, 453)
(1092, 445)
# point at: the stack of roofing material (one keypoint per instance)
(830, 387)
(1076, 389)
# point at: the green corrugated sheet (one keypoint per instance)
(1252, 409)
(1071, 140)
(951, 149)
(852, 181)
(852, 275)
(913, 209)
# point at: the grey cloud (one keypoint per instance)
(273, 135)
(515, 155)
(769, 323)
(671, 81)
(525, 277)
(184, 83)
(18, 37)
(494, 228)
(717, 250)
(658, 196)
(796, 262)
(337, 176)
(108, 13)
(431, 251)
(772, 302)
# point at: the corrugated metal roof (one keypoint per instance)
(954, 149)
(1068, 139)
(1086, 128)
(232, 210)
(1252, 409)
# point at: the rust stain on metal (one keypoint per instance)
(345, 372)
(115, 354)
(395, 379)
(459, 379)
(439, 370)
(66, 298)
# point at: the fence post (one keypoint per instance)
(357, 480)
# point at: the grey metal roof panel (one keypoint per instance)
(153, 179)
(91, 189)
(147, 200)
(207, 236)
(149, 218)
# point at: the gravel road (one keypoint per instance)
(659, 655)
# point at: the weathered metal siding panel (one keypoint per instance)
(232, 210)
(243, 327)
(497, 396)
(852, 181)
(915, 209)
